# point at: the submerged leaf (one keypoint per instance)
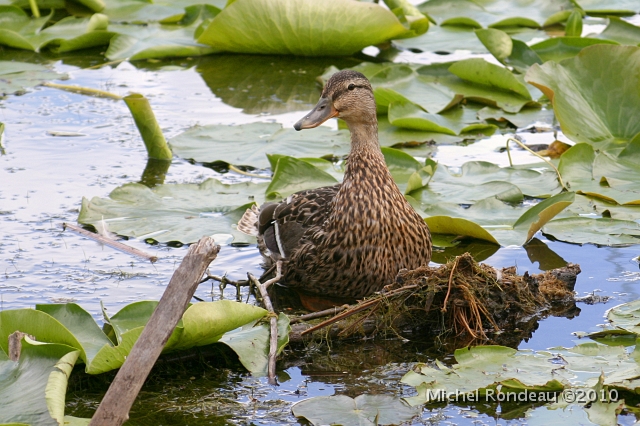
(15, 77)
(363, 410)
(301, 27)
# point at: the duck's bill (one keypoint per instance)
(323, 111)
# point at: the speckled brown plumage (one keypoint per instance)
(351, 239)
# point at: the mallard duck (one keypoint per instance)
(349, 240)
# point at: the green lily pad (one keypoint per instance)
(492, 220)
(248, 144)
(609, 7)
(70, 33)
(154, 40)
(586, 206)
(485, 371)
(251, 343)
(16, 27)
(559, 48)
(527, 117)
(33, 389)
(626, 317)
(16, 77)
(293, 175)
(477, 70)
(603, 175)
(477, 180)
(508, 51)
(496, 13)
(456, 121)
(604, 232)
(301, 27)
(594, 95)
(507, 100)
(363, 410)
(621, 31)
(445, 38)
(168, 212)
(144, 12)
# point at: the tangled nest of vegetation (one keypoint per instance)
(461, 299)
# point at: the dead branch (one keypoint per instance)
(109, 242)
(273, 342)
(115, 406)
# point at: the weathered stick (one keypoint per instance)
(273, 343)
(111, 243)
(115, 406)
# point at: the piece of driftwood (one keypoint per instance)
(468, 301)
(273, 320)
(115, 406)
(109, 242)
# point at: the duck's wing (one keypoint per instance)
(282, 225)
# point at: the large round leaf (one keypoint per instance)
(595, 95)
(363, 410)
(169, 212)
(301, 27)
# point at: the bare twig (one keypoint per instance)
(331, 311)
(111, 243)
(273, 343)
(242, 172)
(446, 298)
(357, 308)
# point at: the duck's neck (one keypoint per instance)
(365, 157)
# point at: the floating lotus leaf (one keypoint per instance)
(248, 144)
(446, 38)
(70, 33)
(594, 95)
(180, 212)
(479, 71)
(455, 121)
(293, 175)
(527, 117)
(503, 95)
(301, 27)
(364, 410)
(33, 389)
(144, 12)
(477, 180)
(586, 206)
(559, 48)
(621, 31)
(511, 52)
(16, 77)
(626, 317)
(603, 231)
(493, 220)
(609, 7)
(155, 40)
(497, 13)
(603, 175)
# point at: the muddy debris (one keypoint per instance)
(461, 302)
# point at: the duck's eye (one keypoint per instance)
(351, 86)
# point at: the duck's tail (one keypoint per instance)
(248, 223)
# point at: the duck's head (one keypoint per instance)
(347, 95)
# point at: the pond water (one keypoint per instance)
(45, 172)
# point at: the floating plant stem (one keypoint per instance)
(148, 126)
(84, 90)
(537, 155)
(34, 8)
